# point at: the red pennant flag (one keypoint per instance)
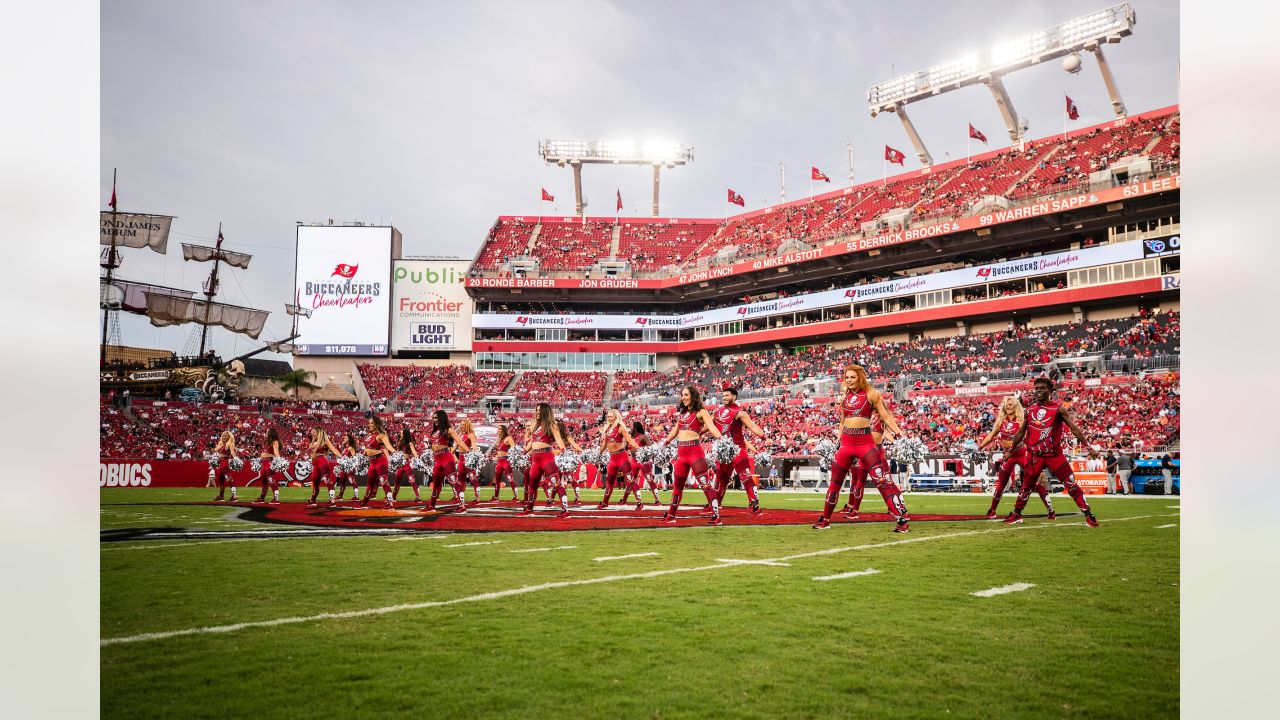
(345, 270)
(219, 243)
(548, 196)
(736, 199)
(976, 134)
(818, 175)
(619, 201)
(113, 197)
(893, 156)
(1072, 112)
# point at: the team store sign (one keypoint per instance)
(964, 277)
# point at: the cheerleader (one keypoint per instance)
(469, 474)
(641, 473)
(377, 446)
(557, 481)
(320, 465)
(444, 437)
(614, 438)
(1012, 415)
(405, 472)
(858, 404)
(502, 471)
(692, 420)
(350, 448)
(227, 444)
(541, 433)
(270, 452)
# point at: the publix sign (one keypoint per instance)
(430, 306)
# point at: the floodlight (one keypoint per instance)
(575, 153)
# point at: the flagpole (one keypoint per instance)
(850, 146)
(111, 263)
(884, 165)
(968, 141)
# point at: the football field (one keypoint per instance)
(223, 616)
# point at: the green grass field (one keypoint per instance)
(672, 635)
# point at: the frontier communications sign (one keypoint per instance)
(430, 308)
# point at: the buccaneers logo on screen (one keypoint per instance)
(346, 271)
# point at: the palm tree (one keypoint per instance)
(294, 379)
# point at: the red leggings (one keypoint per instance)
(404, 474)
(222, 476)
(741, 465)
(378, 470)
(1061, 469)
(862, 449)
(691, 458)
(446, 469)
(502, 473)
(320, 469)
(619, 468)
(541, 462)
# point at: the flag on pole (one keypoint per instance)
(736, 199)
(1072, 112)
(548, 196)
(819, 175)
(894, 156)
(113, 197)
(619, 200)
(977, 134)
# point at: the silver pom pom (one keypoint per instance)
(213, 462)
(236, 464)
(422, 463)
(594, 456)
(764, 459)
(361, 466)
(668, 456)
(973, 456)
(279, 464)
(396, 461)
(826, 449)
(645, 455)
(302, 469)
(519, 459)
(256, 465)
(568, 462)
(475, 460)
(724, 450)
(908, 450)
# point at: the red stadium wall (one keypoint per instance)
(134, 473)
(997, 306)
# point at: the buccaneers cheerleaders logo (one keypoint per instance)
(345, 271)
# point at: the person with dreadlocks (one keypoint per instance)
(1042, 430)
(409, 448)
(1012, 415)
(502, 469)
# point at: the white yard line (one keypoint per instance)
(470, 544)
(417, 537)
(546, 586)
(624, 557)
(1003, 590)
(753, 562)
(529, 550)
(1162, 527)
(842, 576)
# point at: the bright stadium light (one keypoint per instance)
(575, 153)
(1087, 32)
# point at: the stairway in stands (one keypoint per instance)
(608, 390)
(515, 380)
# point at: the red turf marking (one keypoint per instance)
(503, 517)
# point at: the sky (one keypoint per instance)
(427, 116)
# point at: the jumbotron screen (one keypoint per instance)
(343, 275)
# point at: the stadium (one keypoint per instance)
(538, 494)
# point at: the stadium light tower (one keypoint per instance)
(576, 152)
(1087, 32)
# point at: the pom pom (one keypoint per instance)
(361, 466)
(724, 450)
(279, 464)
(213, 462)
(236, 464)
(568, 462)
(475, 460)
(764, 459)
(256, 465)
(826, 449)
(302, 469)
(668, 456)
(908, 450)
(519, 459)
(973, 456)
(422, 463)
(396, 461)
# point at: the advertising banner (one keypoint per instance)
(160, 473)
(951, 279)
(430, 306)
(343, 275)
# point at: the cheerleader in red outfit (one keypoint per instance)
(556, 482)
(858, 403)
(270, 452)
(692, 420)
(405, 472)
(858, 486)
(732, 419)
(350, 448)
(502, 470)
(321, 468)
(469, 474)
(615, 439)
(1042, 429)
(227, 444)
(377, 446)
(444, 437)
(541, 433)
(641, 473)
(1006, 426)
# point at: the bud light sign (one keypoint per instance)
(431, 334)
